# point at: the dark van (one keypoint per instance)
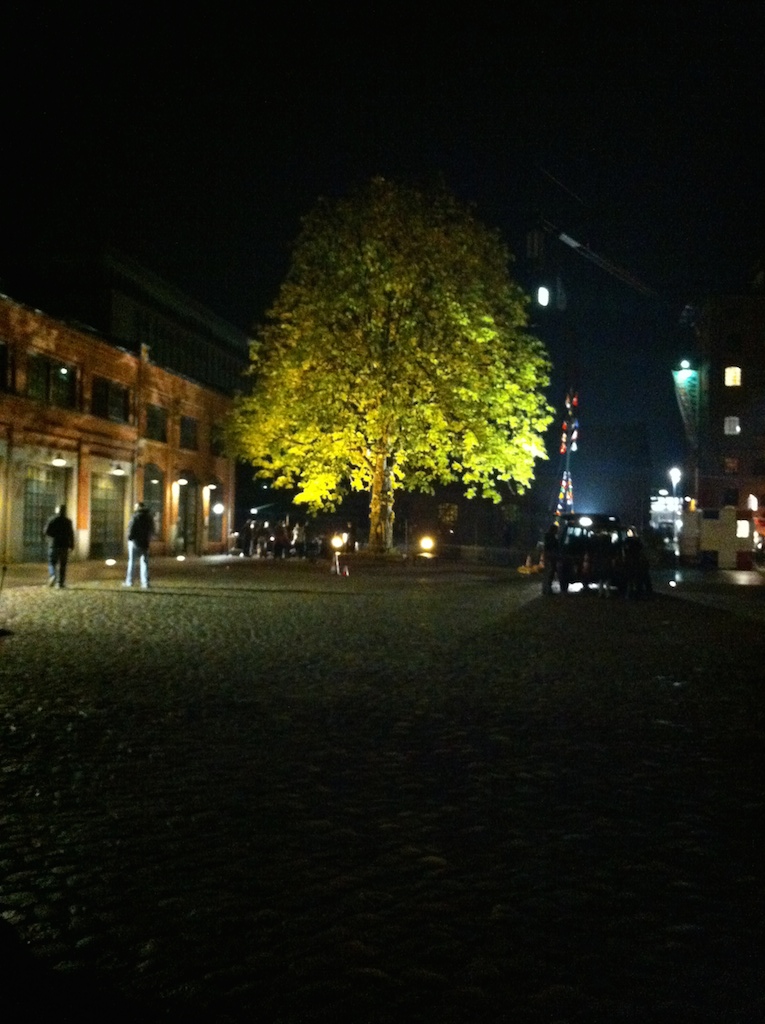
(591, 552)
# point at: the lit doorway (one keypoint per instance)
(44, 490)
(188, 500)
(107, 515)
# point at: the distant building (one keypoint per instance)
(722, 399)
(125, 409)
(129, 306)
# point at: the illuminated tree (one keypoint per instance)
(396, 356)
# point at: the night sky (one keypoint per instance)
(196, 142)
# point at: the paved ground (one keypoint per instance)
(263, 792)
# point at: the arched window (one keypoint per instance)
(154, 495)
(187, 539)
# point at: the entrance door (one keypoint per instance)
(188, 496)
(44, 491)
(107, 515)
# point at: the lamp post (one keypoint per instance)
(674, 476)
(337, 543)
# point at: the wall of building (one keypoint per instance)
(731, 453)
(723, 525)
(717, 538)
(74, 429)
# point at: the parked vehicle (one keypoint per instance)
(591, 552)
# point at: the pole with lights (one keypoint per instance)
(569, 441)
(675, 476)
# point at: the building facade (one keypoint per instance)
(722, 398)
(98, 425)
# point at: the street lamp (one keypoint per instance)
(674, 475)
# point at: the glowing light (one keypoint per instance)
(685, 375)
(182, 481)
(180, 558)
(543, 296)
(111, 561)
(427, 543)
(585, 521)
(218, 508)
(337, 542)
(58, 460)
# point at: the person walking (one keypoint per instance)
(140, 530)
(60, 534)
(551, 549)
(298, 539)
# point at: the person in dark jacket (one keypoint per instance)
(140, 530)
(636, 567)
(551, 551)
(60, 534)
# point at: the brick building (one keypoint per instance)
(95, 422)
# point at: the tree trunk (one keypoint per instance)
(381, 507)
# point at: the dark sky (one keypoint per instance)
(195, 142)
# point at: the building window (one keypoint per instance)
(188, 433)
(732, 376)
(154, 494)
(107, 515)
(156, 423)
(45, 488)
(735, 344)
(731, 465)
(742, 528)
(51, 381)
(732, 425)
(217, 444)
(109, 400)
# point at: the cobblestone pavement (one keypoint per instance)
(260, 792)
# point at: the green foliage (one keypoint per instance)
(397, 335)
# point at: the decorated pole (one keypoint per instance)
(569, 441)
